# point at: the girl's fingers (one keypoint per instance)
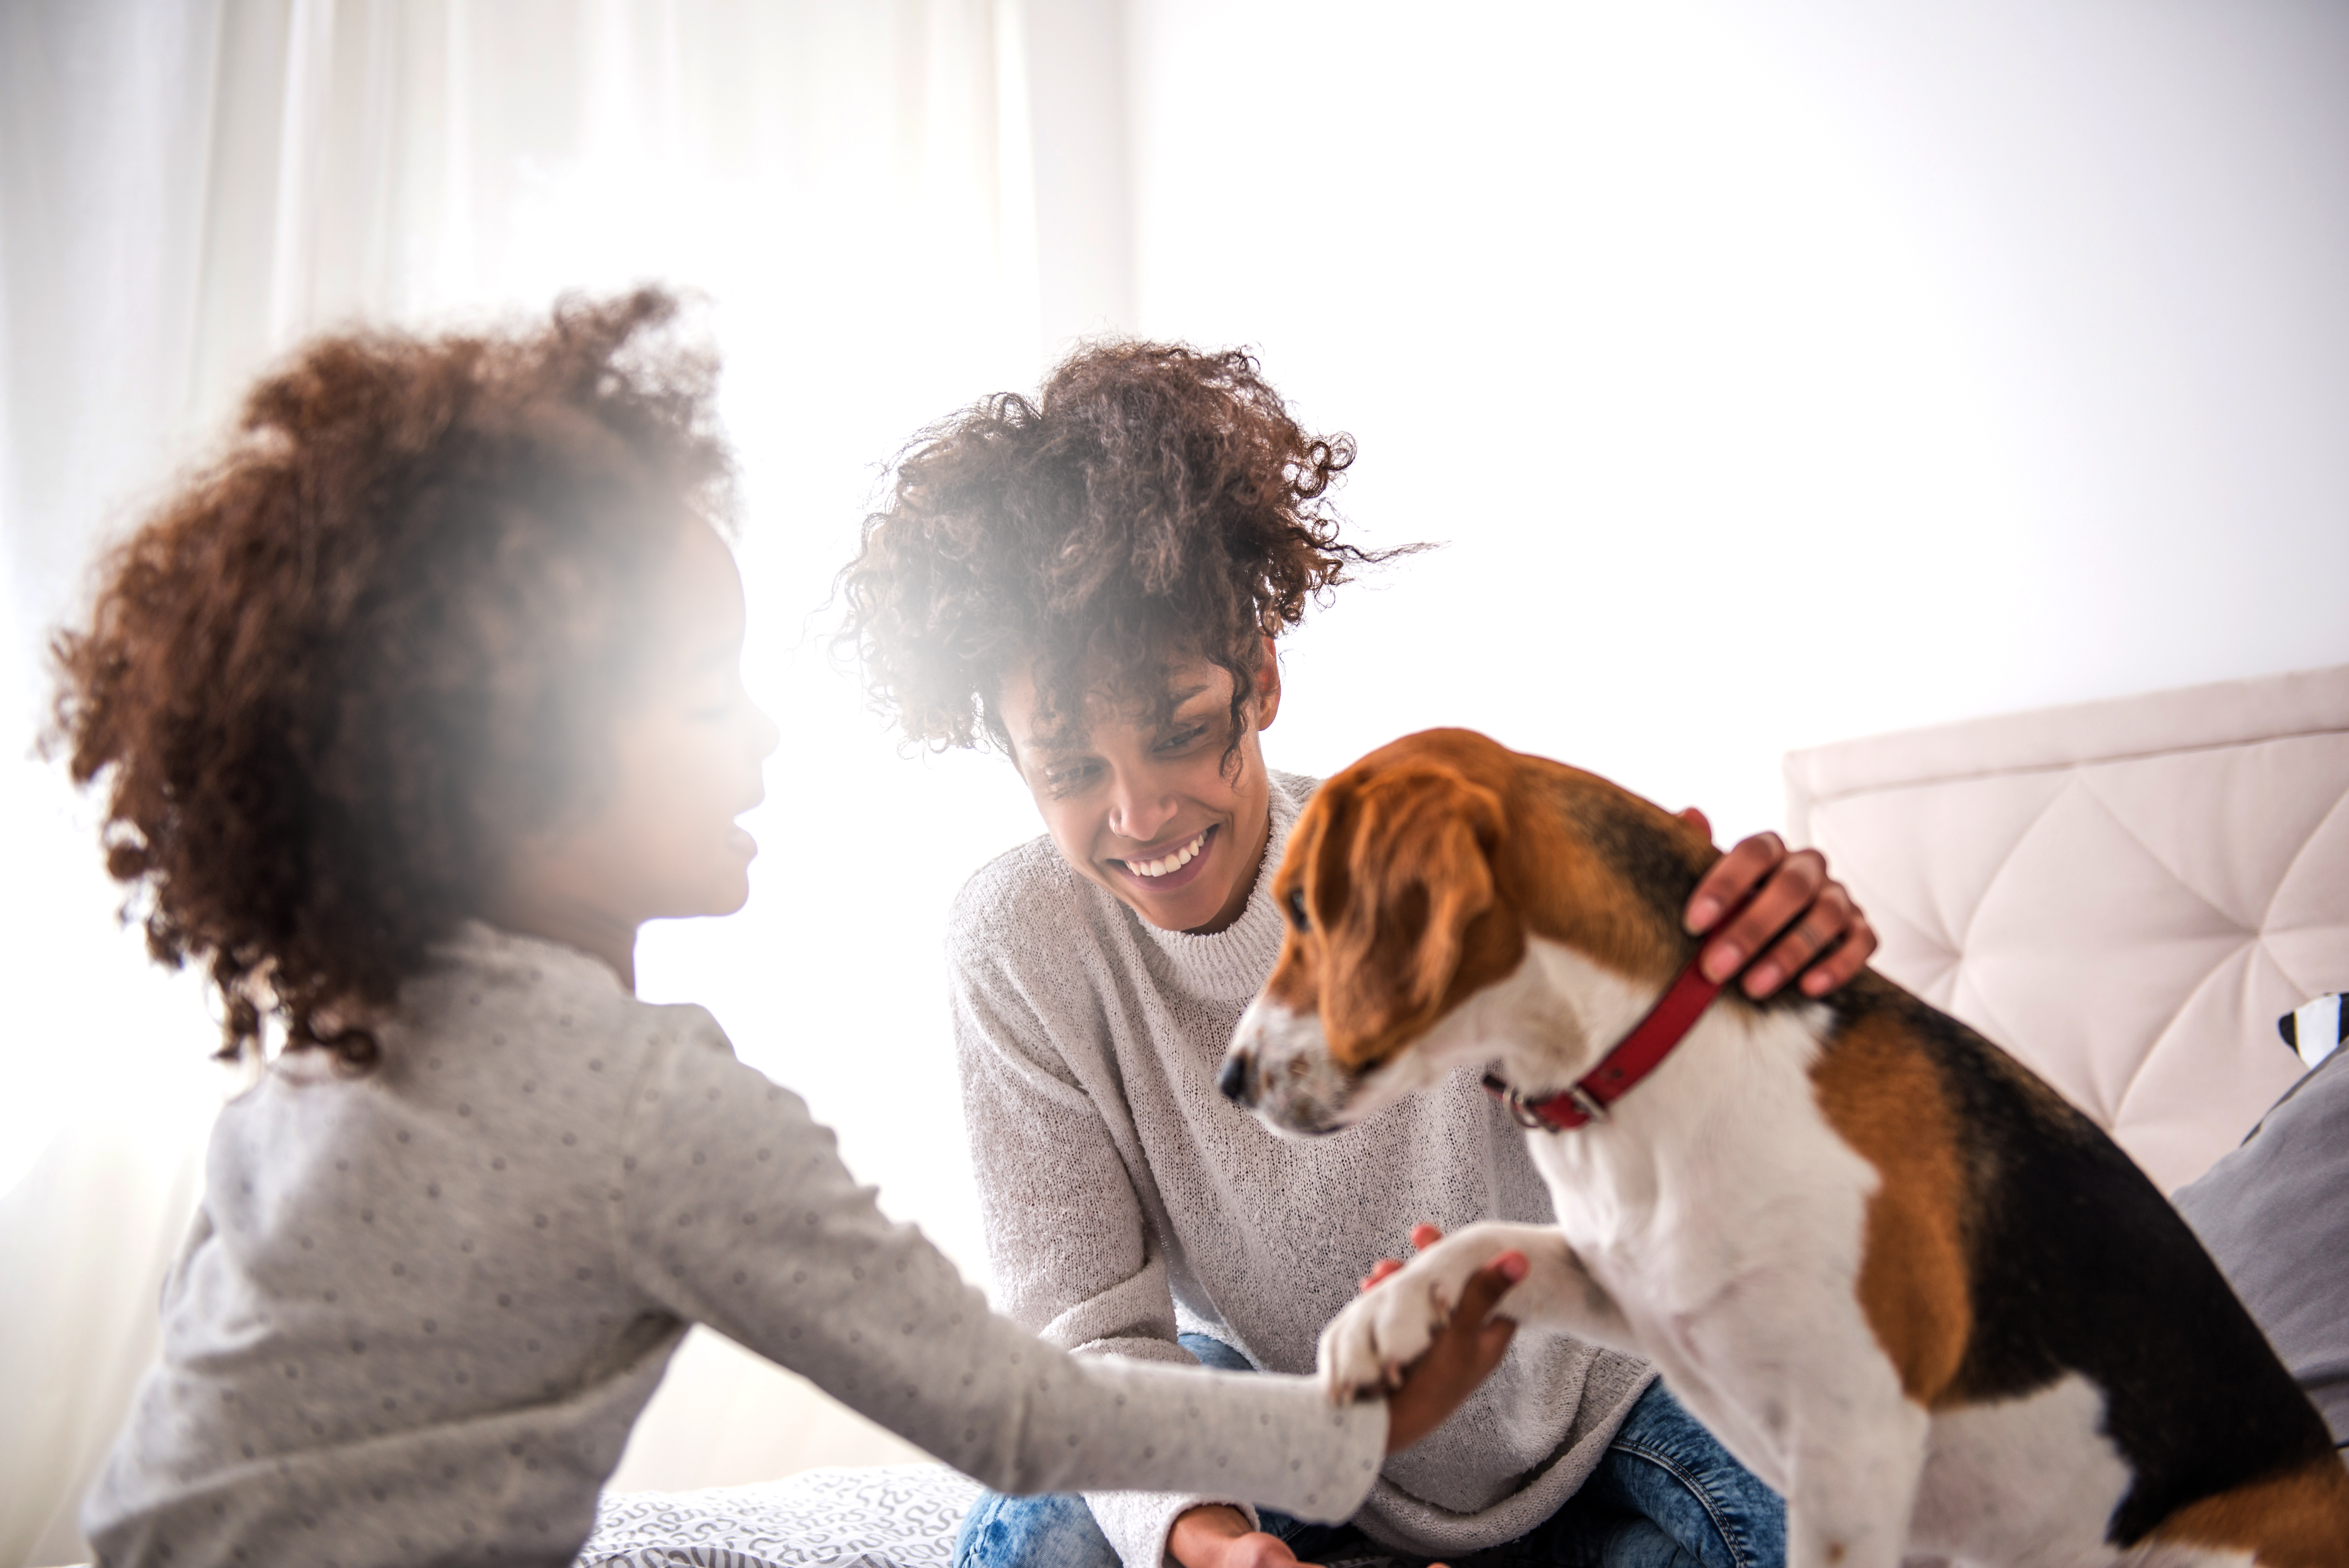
(1422, 1237)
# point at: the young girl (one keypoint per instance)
(410, 712)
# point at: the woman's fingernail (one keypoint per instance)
(1763, 981)
(1513, 1266)
(1702, 914)
(1720, 962)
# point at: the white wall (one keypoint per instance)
(1777, 374)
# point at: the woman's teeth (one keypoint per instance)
(1173, 863)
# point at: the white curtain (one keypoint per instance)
(188, 187)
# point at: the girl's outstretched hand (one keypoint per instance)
(1466, 1349)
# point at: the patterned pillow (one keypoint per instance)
(881, 1516)
(2317, 1030)
(878, 1516)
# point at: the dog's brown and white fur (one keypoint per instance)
(1902, 1280)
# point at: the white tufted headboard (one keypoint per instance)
(2125, 894)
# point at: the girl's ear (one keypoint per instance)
(1267, 685)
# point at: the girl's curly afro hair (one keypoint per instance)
(1156, 501)
(340, 671)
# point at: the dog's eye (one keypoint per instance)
(1297, 908)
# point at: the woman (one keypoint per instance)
(1093, 581)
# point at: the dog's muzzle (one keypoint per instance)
(1279, 1068)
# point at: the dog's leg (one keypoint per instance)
(1854, 1487)
(1388, 1327)
(1808, 1375)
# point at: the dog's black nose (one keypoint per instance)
(1234, 1078)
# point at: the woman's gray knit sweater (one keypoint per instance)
(1126, 1200)
(419, 1309)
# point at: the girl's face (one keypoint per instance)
(1142, 801)
(660, 841)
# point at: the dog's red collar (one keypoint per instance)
(1635, 1056)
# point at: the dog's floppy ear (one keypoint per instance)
(1409, 864)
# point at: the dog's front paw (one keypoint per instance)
(1365, 1347)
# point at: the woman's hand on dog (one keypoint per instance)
(1821, 935)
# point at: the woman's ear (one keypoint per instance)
(1267, 685)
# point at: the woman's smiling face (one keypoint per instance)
(1151, 800)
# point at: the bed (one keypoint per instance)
(2126, 894)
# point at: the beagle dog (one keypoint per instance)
(1906, 1283)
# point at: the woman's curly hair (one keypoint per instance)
(1154, 501)
(334, 678)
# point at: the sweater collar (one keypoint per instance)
(1232, 964)
(494, 953)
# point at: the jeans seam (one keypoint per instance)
(973, 1529)
(1687, 1478)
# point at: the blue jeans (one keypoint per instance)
(1665, 1495)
